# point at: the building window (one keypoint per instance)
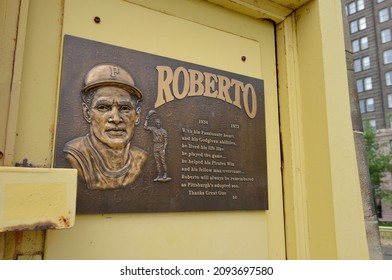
(387, 56)
(362, 106)
(364, 84)
(362, 23)
(379, 1)
(355, 45)
(364, 43)
(373, 124)
(361, 64)
(360, 5)
(390, 125)
(386, 35)
(355, 6)
(368, 83)
(352, 8)
(369, 124)
(358, 24)
(360, 44)
(353, 26)
(366, 105)
(388, 78)
(358, 65)
(383, 15)
(370, 104)
(390, 100)
(365, 63)
(360, 85)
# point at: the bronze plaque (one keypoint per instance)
(153, 134)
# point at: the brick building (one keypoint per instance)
(370, 27)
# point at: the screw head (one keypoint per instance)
(97, 19)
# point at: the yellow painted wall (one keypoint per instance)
(212, 235)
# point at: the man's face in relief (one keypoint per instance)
(112, 116)
(158, 123)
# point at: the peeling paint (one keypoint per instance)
(65, 221)
(24, 163)
(35, 226)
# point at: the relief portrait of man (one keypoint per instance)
(105, 158)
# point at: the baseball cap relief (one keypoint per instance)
(104, 75)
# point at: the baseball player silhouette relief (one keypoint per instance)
(160, 143)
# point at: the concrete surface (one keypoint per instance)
(387, 252)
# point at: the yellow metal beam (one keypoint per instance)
(261, 9)
(321, 184)
(275, 10)
(296, 226)
(346, 196)
(13, 109)
(9, 12)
